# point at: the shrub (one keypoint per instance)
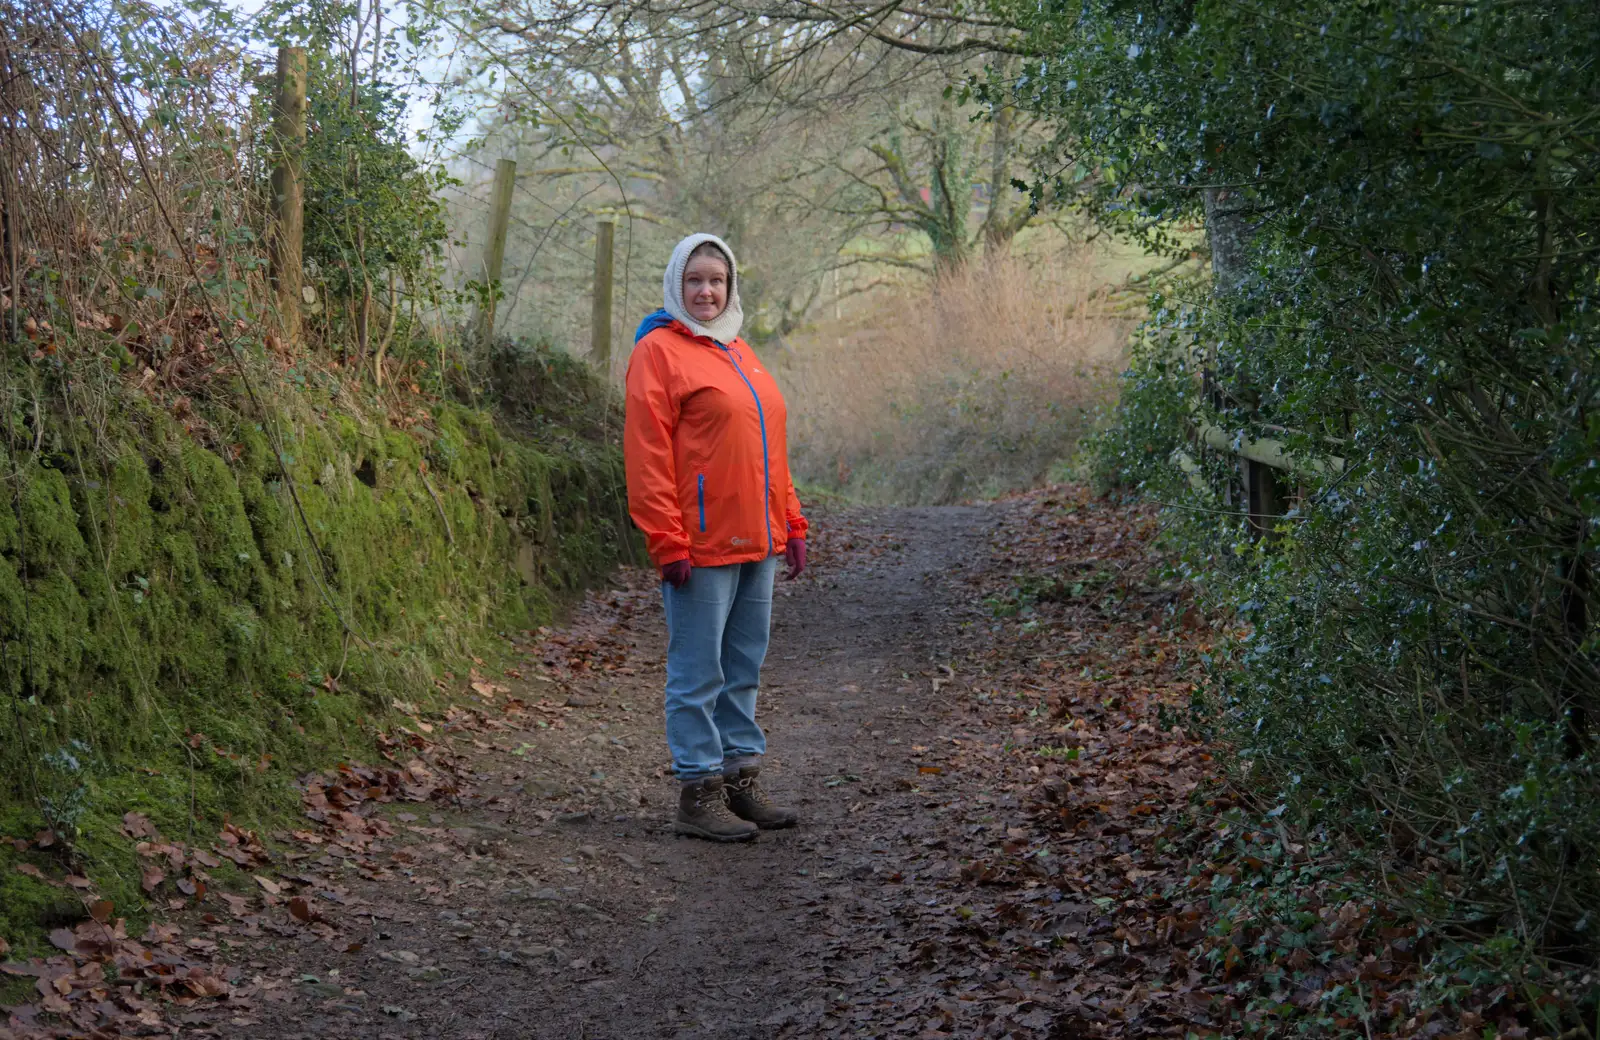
(1418, 663)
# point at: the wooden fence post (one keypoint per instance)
(1227, 233)
(288, 196)
(600, 327)
(1263, 498)
(494, 251)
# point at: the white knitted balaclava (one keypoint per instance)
(724, 328)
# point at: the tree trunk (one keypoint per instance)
(1226, 232)
(951, 197)
(997, 229)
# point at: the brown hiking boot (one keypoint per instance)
(748, 800)
(703, 812)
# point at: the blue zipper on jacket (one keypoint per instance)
(702, 493)
(766, 460)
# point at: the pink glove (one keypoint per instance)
(794, 554)
(676, 572)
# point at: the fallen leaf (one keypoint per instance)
(100, 910)
(271, 887)
(204, 985)
(30, 870)
(62, 939)
(152, 879)
(138, 825)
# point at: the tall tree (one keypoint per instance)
(791, 135)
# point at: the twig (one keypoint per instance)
(343, 657)
(449, 534)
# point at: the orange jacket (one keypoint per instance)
(707, 451)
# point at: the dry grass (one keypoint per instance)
(969, 387)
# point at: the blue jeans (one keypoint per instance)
(717, 629)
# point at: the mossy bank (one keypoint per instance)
(185, 631)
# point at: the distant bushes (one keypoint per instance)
(972, 386)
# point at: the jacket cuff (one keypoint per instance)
(798, 528)
(671, 556)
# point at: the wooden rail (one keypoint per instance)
(1267, 452)
(1262, 460)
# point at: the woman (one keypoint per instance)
(708, 484)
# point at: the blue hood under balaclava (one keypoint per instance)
(724, 328)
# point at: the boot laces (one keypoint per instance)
(751, 788)
(715, 804)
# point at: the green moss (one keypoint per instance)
(29, 906)
(181, 643)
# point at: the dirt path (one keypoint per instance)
(963, 703)
(597, 922)
(743, 946)
(563, 907)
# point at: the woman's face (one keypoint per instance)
(705, 287)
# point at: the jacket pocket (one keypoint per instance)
(700, 491)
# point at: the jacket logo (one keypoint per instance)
(739, 541)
